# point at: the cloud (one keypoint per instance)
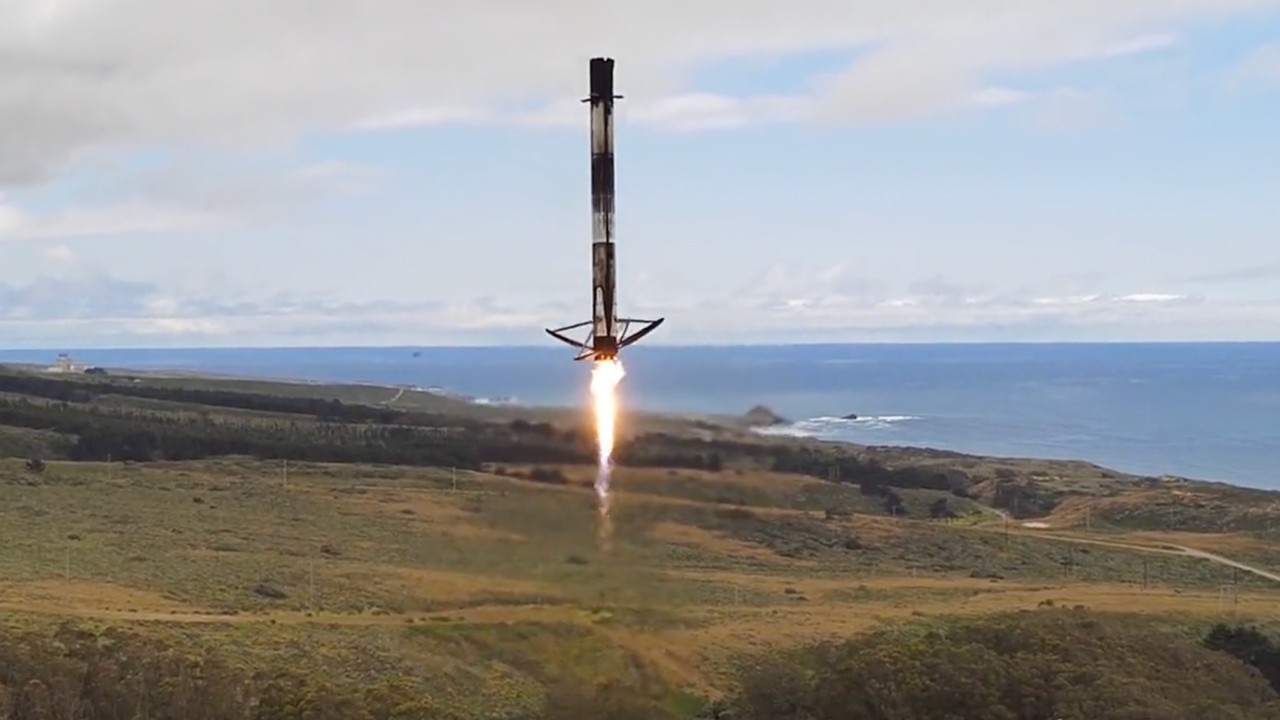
(1259, 67)
(60, 253)
(335, 177)
(82, 77)
(706, 111)
(1138, 45)
(126, 218)
(1070, 109)
(679, 112)
(938, 287)
(999, 97)
(188, 196)
(1265, 271)
(93, 309)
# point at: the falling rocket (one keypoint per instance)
(609, 333)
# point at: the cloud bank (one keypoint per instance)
(103, 311)
(78, 76)
(87, 83)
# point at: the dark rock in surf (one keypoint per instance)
(762, 416)
(850, 416)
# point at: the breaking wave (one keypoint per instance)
(494, 401)
(820, 427)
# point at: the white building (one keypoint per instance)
(63, 365)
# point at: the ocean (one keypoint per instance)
(1202, 410)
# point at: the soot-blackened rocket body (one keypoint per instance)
(608, 332)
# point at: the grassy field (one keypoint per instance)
(485, 588)
(480, 589)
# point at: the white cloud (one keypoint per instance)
(1260, 67)
(80, 76)
(334, 176)
(705, 111)
(179, 198)
(60, 253)
(678, 112)
(93, 309)
(422, 117)
(1261, 271)
(1140, 44)
(1070, 109)
(1152, 298)
(999, 97)
(126, 218)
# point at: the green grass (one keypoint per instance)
(484, 596)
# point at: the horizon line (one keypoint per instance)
(647, 348)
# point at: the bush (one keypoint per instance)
(1249, 646)
(551, 476)
(1042, 664)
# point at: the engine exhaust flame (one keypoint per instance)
(605, 376)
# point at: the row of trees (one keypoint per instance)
(86, 391)
(823, 462)
(136, 435)
(313, 429)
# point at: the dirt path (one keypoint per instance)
(1212, 557)
(1161, 548)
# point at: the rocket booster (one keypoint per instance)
(608, 332)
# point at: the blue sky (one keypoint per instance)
(330, 173)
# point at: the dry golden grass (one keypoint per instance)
(1225, 543)
(755, 629)
(87, 596)
(691, 581)
(443, 585)
(1076, 511)
(430, 511)
(719, 544)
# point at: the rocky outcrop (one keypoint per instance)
(761, 416)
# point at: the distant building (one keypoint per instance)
(62, 365)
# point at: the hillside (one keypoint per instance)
(456, 559)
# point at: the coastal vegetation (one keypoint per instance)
(205, 548)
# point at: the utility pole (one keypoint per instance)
(455, 479)
(286, 472)
(108, 467)
(311, 585)
(1006, 532)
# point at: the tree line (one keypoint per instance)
(320, 430)
(86, 391)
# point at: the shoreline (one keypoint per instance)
(785, 430)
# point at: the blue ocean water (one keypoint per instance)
(1202, 410)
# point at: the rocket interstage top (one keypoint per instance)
(601, 78)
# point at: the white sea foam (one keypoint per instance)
(833, 426)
